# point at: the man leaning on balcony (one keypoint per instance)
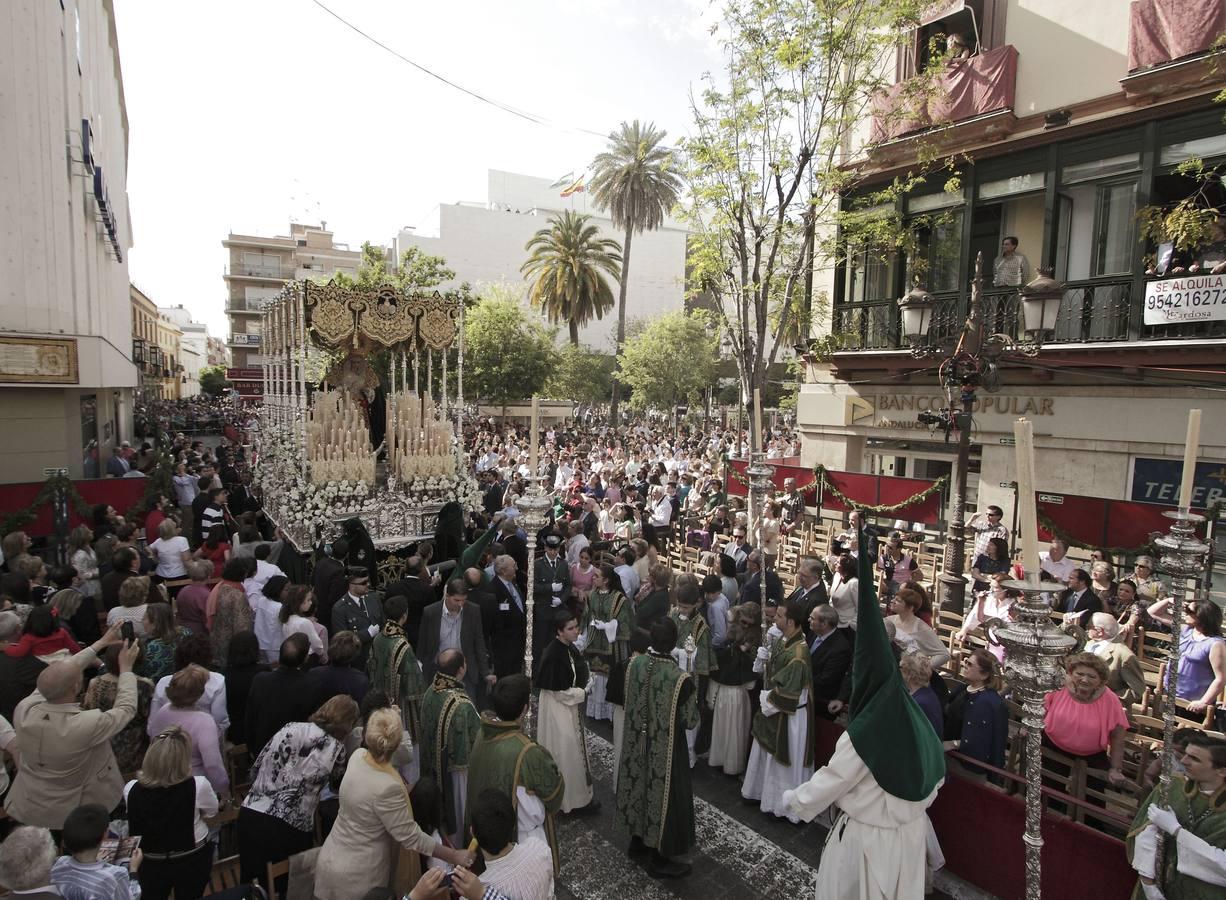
(1011, 268)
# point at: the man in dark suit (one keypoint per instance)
(830, 656)
(417, 592)
(455, 624)
(339, 676)
(550, 592)
(510, 627)
(284, 695)
(358, 612)
(751, 591)
(811, 589)
(1078, 603)
(516, 548)
(328, 580)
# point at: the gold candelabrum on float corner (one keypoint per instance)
(419, 443)
(338, 440)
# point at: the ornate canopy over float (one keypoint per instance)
(355, 420)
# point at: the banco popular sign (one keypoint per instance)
(1196, 298)
(891, 410)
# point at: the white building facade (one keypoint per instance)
(483, 242)
(193, 347)
(66, 372)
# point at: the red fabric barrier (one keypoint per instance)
(967, 88)
(120, 493)
(980, 830)
(1097, 522)
(1160, 31)
(867, 490)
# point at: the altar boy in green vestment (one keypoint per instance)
(604, 635)
(693, 632)
(783, 728)
(655, 798)
(1193, 818)
(508, 761)
(393, 668)
(450, 725)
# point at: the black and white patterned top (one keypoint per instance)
(290, 772)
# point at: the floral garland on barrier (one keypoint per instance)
(820, 478)
(19, 518)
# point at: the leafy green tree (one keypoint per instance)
(765, 167)
(672, 361)
(507, 356)
(634, 180)
(583, 375)
(213, 381)
(420, 272)
(566, 271)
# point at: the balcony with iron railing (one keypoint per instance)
(275, 273)
(1093, 311)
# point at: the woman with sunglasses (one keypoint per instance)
(1202, 651)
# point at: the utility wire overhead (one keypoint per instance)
(519, 113)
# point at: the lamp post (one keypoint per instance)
(532, 512)
(760, 475)
(1183, 558)
(971, 359)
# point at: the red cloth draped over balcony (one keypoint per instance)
(1164, 30)
(967, 88)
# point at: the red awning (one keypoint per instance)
(940, 10)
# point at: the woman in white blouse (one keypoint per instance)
(912, 634)
(297, 605)
(845, 592)
(171, 550)
(82, 558)
(992, 604)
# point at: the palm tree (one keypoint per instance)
(633, 180)
(567, 268)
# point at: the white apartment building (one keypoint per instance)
(483, 242)
(193, 346)
(66, 370)
(1086, 109)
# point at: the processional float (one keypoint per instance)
(355, 420)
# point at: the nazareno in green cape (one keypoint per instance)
(888, 729)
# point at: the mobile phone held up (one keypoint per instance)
(128, 632)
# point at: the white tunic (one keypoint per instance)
(767, 779)
(877, 847)
(561, 733)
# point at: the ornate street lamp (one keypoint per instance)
(916, 307)
(1041, 304)
(760, 474)
(1034, 648)
(971, 360)
(533, 506)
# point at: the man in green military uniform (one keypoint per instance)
(783, 728)
(1193, 818)
(655, 799)
(393, 668)
(450, 725)
(693, 652)
(508, 761)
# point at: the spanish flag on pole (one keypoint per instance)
(576, 187)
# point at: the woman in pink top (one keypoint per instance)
(1086, 720)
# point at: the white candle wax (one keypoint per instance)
(1028, 519)
(532, 436)
(1190, 452)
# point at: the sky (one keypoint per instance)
(246, 115)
